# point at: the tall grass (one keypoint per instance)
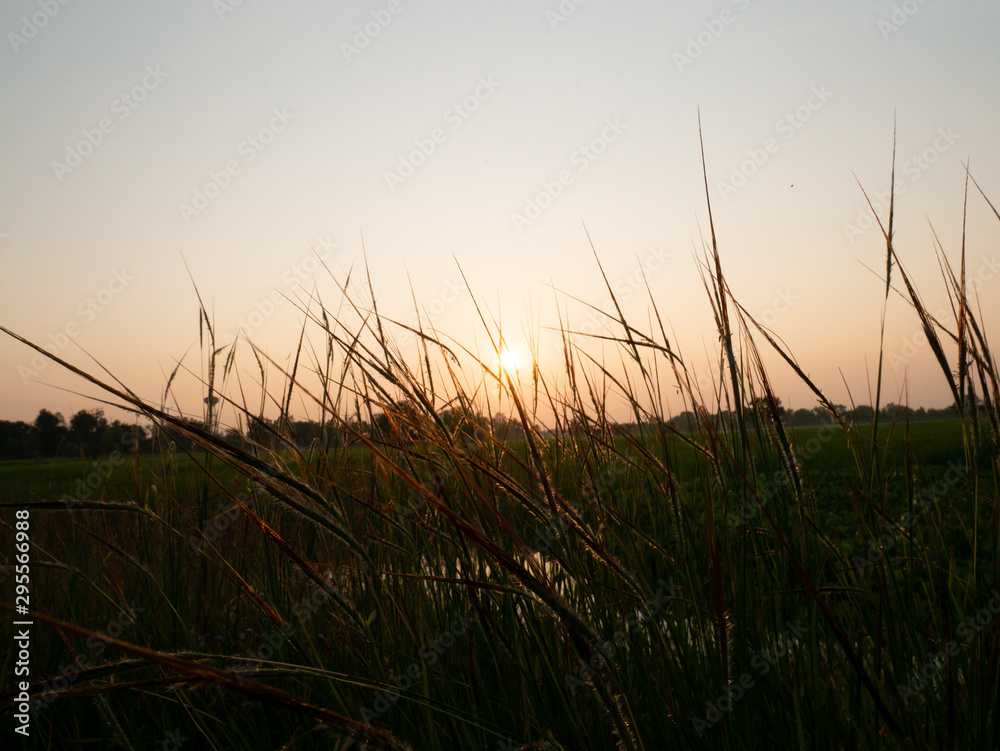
(416, 578)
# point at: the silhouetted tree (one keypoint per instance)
(463, 426)
(863, 413)
(126, 438)
(685, 422)
(762, 407)
(89, 430)
(49, 432)
(803, 417)
(16, 440)
(893, 411)
(182, 441)
(509, 430)
(262, 432)
(380, 426)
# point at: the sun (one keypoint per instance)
(510, 359)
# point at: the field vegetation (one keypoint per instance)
(435, 572)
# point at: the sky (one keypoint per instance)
(151, 147)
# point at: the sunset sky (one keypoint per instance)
(242, 139)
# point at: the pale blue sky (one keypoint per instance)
(209, 83)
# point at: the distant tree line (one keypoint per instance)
(801, 418)
(89, 433)
(403, 423)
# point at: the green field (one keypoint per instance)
(370, 573)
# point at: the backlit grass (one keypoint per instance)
(433, 583)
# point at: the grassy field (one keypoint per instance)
(435, 586)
